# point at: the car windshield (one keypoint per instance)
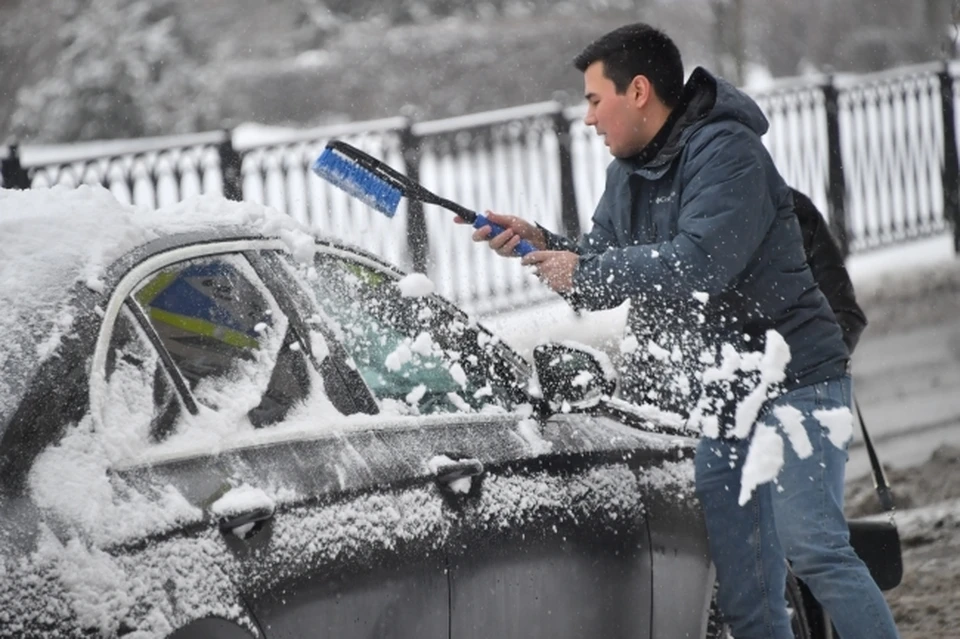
(414, 353)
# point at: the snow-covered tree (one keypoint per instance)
(122, 72)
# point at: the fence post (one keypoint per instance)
(836, 181)
(569, 215)
(230, 168)
(417, 243)
(951, 163)
(14, 174)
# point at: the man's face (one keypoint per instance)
(618, 118)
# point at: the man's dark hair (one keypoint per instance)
(637, 49)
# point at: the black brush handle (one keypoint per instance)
(409, 188)
(416, 191)
(467, 214)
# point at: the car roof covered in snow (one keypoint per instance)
(54, 240)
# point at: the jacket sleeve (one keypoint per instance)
(601, 235)
(827, 264)
(600, 238)
(725, 212)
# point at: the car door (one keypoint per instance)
(231, 396)
(589, 529)
(548, 535)
(551, 542)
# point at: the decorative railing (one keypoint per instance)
(797, 139)
(154, 175)
(877, 153)
(893, 139)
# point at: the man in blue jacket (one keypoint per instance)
(696, 227)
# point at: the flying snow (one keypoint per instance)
(773, 365)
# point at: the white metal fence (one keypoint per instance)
(877, 154)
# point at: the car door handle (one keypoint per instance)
(243, 523)
(448, 472)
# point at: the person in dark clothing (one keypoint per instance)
(826, 262)
(697, 229)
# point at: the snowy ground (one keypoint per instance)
(906, 372)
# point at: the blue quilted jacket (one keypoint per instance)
(699, 232)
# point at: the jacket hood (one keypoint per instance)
(705, 99)
(729, 103)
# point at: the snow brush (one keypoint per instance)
(380, 186)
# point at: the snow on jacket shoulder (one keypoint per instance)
(703, 210)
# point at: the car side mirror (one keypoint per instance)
(573, 374)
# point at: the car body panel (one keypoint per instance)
(557, 544)
(554, 529)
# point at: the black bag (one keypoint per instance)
(877, 541)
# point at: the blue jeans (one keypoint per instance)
(798, 518)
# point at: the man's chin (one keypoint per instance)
(624, 154)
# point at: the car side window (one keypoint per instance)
(413, 352)
(227, 337)
(140, 394)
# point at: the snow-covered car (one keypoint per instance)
(215, 424)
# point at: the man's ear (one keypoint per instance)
(641, 90)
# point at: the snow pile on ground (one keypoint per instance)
(934, 481)
(927, 498)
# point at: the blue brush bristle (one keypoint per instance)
(357, 181)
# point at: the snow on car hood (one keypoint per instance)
(56, 238)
